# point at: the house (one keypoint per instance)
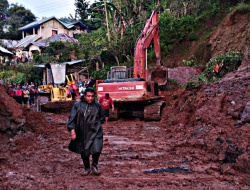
(5, 55)
(43, 29)
(41, 45)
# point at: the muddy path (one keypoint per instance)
(201, 142)
(136, 155)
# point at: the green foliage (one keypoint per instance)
(190, 63)
(3, 11)
(172, 82)
(91, 45)
(20, 78)
(192, 36)
(18, 16)
(13, 76)
(243, 7)
(101, 74)
(43, 59)
(208, 11)
(21, 73)
(229, 61)
(81, 9)
(191, 84)
(59, 51)
(173, 30)
(3, 8)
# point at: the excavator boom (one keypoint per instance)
(150, 31)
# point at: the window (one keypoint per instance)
(54, 32)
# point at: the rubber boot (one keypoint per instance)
(85, 160)
(95, 158)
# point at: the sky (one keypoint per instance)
(48, 8)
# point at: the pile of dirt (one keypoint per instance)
(15, 117)
(210, 124)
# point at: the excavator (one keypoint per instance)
(133, 94)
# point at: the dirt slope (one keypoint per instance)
(232, 35)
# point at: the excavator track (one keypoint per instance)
(152, 112)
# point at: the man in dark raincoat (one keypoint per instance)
(84, 123)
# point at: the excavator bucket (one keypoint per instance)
(160, 76)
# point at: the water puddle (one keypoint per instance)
(170, 170)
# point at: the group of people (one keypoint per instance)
(25, 94)
(78, 86)
(22, 59)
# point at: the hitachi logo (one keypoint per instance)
(126, 88)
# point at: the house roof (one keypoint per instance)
(3, 50)
(83, 26)
(23, 43)
(56, 37)
(36, 24)
(8, 43)
(68, 62)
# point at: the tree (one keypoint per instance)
(59, 51)
(18, 16)
(81, 9)
(3, 11)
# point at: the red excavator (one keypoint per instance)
(132, 93)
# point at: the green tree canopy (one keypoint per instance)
(3, 11)
(17, 16)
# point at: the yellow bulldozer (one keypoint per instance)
(53, 95)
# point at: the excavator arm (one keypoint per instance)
(150, 31)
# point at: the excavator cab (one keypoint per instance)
(120, 72)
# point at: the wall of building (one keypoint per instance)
(50, 25)
(33, 48)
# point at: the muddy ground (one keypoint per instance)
(201, 142)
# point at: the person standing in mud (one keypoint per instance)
(84, 123)
(106, 102)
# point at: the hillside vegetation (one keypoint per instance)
(191, 34)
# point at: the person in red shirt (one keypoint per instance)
(19, 94)
(11, 92)
(105, 102)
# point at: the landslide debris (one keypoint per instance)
(210, 124)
